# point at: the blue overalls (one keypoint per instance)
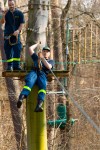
(38, 77)
(12, 23)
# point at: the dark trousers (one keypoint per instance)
(13, 53)
(38, 78)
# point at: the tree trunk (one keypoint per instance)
(59, 50)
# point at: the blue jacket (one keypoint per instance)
(44, 69)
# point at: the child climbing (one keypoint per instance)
(38, 75)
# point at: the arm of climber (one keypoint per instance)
(32, 48)
(44, 61)
(47, 65)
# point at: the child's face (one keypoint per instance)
(46, 53)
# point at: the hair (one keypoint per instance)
(12, 1)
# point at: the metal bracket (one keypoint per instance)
(33, 30)
(56, 92)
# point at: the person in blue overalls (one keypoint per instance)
(14, 20)
(37, 76)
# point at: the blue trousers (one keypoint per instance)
(13, 53)
(38, 78)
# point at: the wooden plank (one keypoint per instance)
(14, 74)
(24, 73)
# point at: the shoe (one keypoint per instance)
(10, 68)
(39, 107)
(17, 68)
(19, 103)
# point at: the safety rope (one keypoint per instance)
(39, 60)
(64, 63)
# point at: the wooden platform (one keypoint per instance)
(24, 73)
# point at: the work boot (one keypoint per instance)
(9, 68)
(19, 103)
(17, 68)
(39, 107)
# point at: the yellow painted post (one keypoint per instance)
(36, 121)
(36, 124)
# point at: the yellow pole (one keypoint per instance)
(36, 124)
(36, 121)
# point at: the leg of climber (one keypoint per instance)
(41, 82)
(39, 107)
(30, 80)
(21, 97)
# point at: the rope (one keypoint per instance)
(76, 62)
(77, 105)
(64, 63)
(39, 60)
